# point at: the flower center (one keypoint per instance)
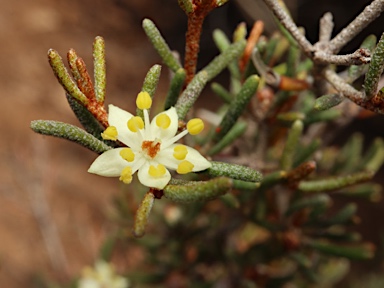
(151, 147)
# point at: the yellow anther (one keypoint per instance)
(157, 172)
(195, 126)
(110, 133)
(180, 151)
(143, 100)
(185, 167)
(127, 154)
(135, 123)
(126, 175)
(163, 121)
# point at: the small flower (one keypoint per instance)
(103, 275)
(151, 146)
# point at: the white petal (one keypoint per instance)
(166, 158)
(200, 162)
(109, 164)
(165, 134)
(148, 180)
(118, 117)
(88, 283)
(138, 162)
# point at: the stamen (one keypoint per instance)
(126, 175)
(143, 100)
(135, 123)
(156, 142)
(110, 133)
(127, 154)
(174, 139)
(163, 121)
(151, 147)
(185, 167)
(195, 126)
(146, 123)
(180, 152)
(157, 172)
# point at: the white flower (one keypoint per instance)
(103, 275)
(151, 149)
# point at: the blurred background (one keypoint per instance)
(53, 214)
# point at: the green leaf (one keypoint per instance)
(160, 45)
(236, 131)
(175, 88)
(191, 93)
(150, 84)
(142, 215)
(221, 61)
(328, 101)
(357, 252)
(69, 132)
(99, 68)
(375, 69)
(334, 183)
(234, 171)
(290, 147)
(64, 78)
(238, 106)
(192, 191)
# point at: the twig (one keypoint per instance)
(326, 27)
(323, 52)
(375, 104)
(287, 22)
(192, 37)
(341, 86)
(359, 57)
(370, 13)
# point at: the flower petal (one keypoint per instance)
(166, 157)
(109, 164)
(119, 118)
(155, 182)
(170, 130)
(200, 162)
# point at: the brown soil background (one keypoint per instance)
(45, 190)
(52, 212)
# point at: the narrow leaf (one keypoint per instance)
(99, 67)
(64, 78)
(327, 102)
(357, 252)
(290, 147)
(150, 84)
(175, 88)
(375, 70)
(69, 132)
(334, 183)
(191, 93)
(221, 61)
(198, 191)
(160, 45)
(234, 171)
(236, 131)
(237, 106)
(142, 215)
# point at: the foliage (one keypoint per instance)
(285, 102)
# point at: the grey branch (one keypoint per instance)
(341, 86)
(326, 27)
(323, 52)
(288, 23)
(359, 57)
(370, 13)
